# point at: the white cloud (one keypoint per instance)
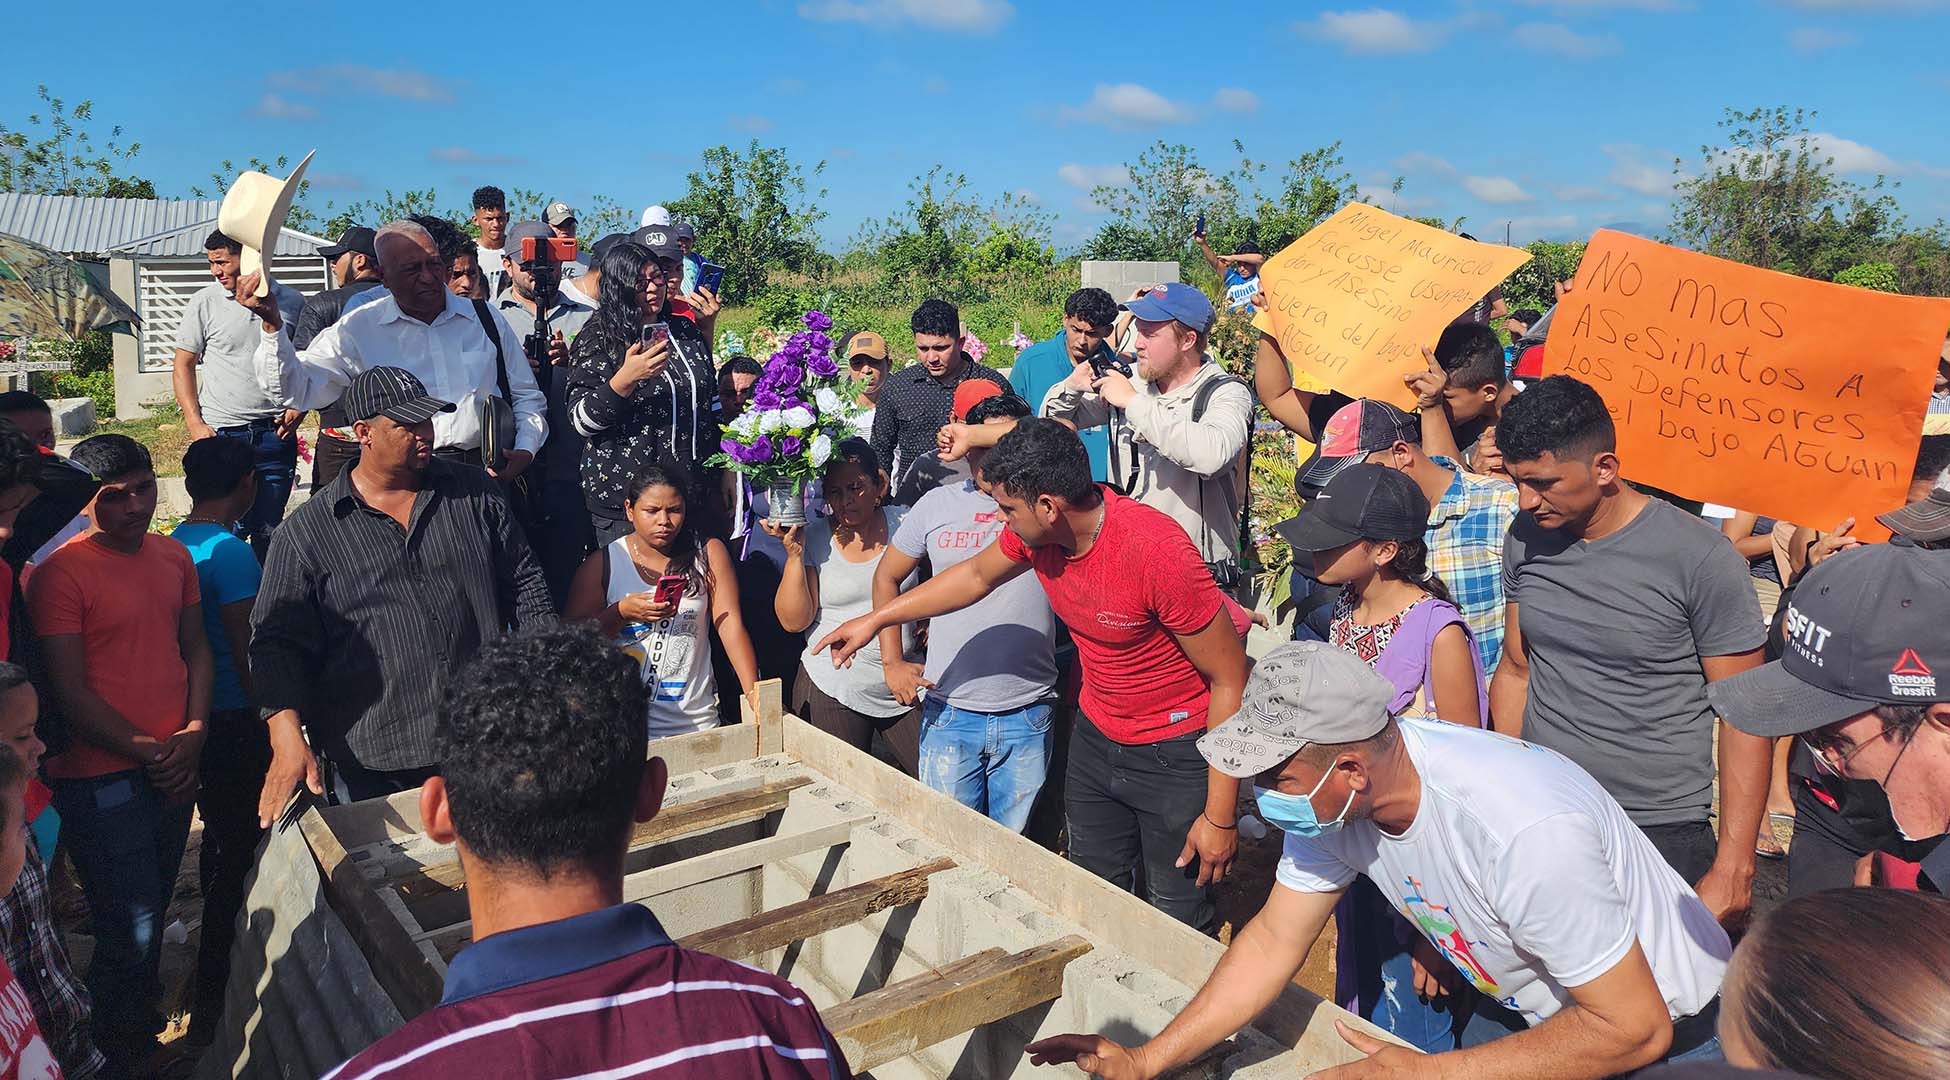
(842, 153)
(977, 16)
(1576, 193)
(274, 107)
(1816, 38)
(1545, 226)
(402, 83)
(789, 87)
(1629, 171)
(1416, 161)
(1496, 189)
(1028, 196)
(751, 122)
(1851, 156)
(1233, 99)
(461, 155)
(1127, 105)
(1376, 30)
(1089, 177)
(1380, 195)
(1562, 40)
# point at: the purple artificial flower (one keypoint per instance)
(790, 376)
(817, 320)
(823, 366)
(761, 450)
(790, 401)
(790, 445)
(766, 400)
(820, 342)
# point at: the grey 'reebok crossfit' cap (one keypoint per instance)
(1303, 692)
(1864, 628)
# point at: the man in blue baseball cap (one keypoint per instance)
(1178, 423)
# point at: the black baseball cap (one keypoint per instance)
(1365, 502)
(357, 238)
(661, 240)
(392, 393)
(1864, 628)
(1356, 430)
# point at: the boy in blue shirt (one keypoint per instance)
(222, 484)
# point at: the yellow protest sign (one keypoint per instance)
(1795, 399)
(1353, 302)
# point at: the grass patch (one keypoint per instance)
(162, 431)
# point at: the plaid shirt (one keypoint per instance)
(1465, 539)
(910, 411)
(39, 959)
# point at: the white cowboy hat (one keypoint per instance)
(253, 214)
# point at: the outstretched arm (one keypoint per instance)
(951, 590)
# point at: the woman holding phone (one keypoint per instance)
(828, 579)
(659, 592)
(642, 391)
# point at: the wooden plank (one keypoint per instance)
(396, 960)
(1298, 1018)
(912, 1015)
(658, 880)
(415, 879)
(776, 929)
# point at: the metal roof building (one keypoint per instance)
(149, 252)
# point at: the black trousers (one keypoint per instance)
(1127, 805)
(236, 755)
(1688, 847)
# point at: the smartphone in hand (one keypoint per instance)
(1199, 229)
(710, 276)
(670, 589)
(654, 333)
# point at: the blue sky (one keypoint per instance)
(1555, 116)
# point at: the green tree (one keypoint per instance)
(1159, 205)
(947, 233)
(1880, 276)
(752, 214)
(1771, 198)
(389, 207)
(53, 154)
(1308, 191)
(1550, 262)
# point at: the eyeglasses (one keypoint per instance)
(1832, 757)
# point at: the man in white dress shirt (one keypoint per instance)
(439, 337)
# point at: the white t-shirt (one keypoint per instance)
(1525, 874)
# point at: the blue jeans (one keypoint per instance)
(277, 462)
(992, 763)
(126, 846)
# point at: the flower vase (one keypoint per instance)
(785, 506)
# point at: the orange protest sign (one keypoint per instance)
(1788, 397)
(1353, 302)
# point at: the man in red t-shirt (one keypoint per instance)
(1159, 650)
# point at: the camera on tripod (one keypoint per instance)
(541, 259)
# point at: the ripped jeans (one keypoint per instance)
(992, 763)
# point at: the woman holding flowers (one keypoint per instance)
(828, 579)
(642, 399)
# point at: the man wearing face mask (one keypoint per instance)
(1517, 866)
(1858, 682)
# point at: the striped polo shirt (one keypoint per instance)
(605, 994)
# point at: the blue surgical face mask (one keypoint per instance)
(1294, 814)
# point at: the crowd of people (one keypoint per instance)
(1526, 746)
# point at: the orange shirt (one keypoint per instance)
(127, 609)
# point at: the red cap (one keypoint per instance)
(969, 393)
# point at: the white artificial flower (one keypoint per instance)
(769, 421)
(798, 417)
(822, 448)
(827, 401)
(746, 425)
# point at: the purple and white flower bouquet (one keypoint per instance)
(802, 407)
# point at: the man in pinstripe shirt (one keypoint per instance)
(377, 590)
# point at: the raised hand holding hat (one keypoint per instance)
(253, 214)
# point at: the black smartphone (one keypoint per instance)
(710, 276)
(1199, 229)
